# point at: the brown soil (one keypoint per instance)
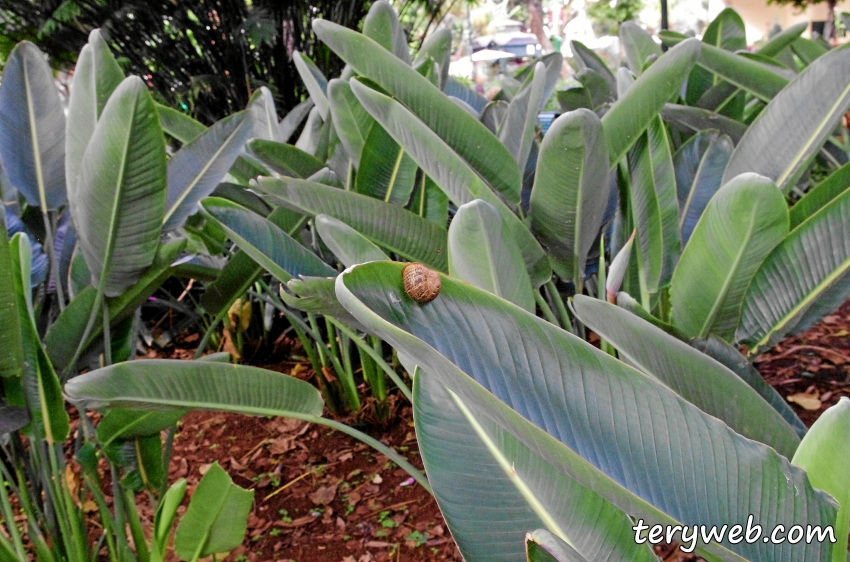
(320, 495)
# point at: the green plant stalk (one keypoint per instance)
(77, 526)
(105, 517)
(107, 337)
(559, 305)
(317, 336)
(142, 553)
(339, 351)
(122, 546)
(544, 307)
(380, 382)
(376, 356)
(9, 516)
(204, 340)
(602, 293)
(166, 460)
(664, 306)
(301, 329)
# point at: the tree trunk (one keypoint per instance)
(829, 31)
(535, 22)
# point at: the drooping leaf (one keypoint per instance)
(640, 104)
(96, 76)
(699, 165)
(570, 191)
(121, 195)
(267, 244)
(801, 280)
(120, 423)
(32, 128)
(696, 377)
(481, 253)
(382, 26)
(741, 224)
(314, 81)
(389, 226)
(622, 433)
(694, 119)
(349, 246)
(462, 132)
(794, 125)
(198, 167)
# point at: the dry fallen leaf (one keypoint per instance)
(807, 401)
(323, 495)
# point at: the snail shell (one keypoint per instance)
(420, 283)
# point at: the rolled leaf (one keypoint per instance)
(742, 223)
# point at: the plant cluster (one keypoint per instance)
(691, 202)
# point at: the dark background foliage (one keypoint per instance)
(205, 57)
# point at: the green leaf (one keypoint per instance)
(96, 76)
(807, 50)
(265, 242)
(801, 280)
(216, 518)
(696, 377)
(349, 246)
(596, 87)
(480, 253)
(382, 26)
(198, 167)
(655, 209)
(726, 31)
(638, 44)
(166, 511)
(438, 46)
(742, 223)
(588, 59)
(462, 132)
(120, 423)
(621, 432)
(517, 129)
(699, 165)
(389, 226)
(387, 172)
(429, 201)
(351, 121)
(694, 119)
(543, 546)
(12, 358)
(179, 125)
(316, 294)
(571, 190)
(285, 158)
(640, 104)
(794, 125)
(450, 172)
(194, 385)
(261, 106)
(314, 81)
(783, 39)
(824, 455)
(820, 195)
(32, 128)
(121, 194)
(290, 123)
(756, 78)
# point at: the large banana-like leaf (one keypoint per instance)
(481, 253)
(396, 229)
(10, 320)
(699, 165)
(178, 124)
(450, 172)
(783, 39)
(638, 44)
(349, 246)
(438, 46)
(468, 137)
(32, 128)
(285, 158)
(517, 130)
(543, 546)
(429, 201)
(622, 433)
(198, 167)
(742, 223)
(480, 471)
(695, 119)
(802, 280)
(201, 385)
(819, 196)
(351, 121)
(587, 58)
(314, 81)
(808, 50)
(290, 123)
(120, 200)
(655, 210)
(96, 76)
(387, 171)
(382, 25)
(640, 104)
(794, 125)
(725, 31)
(571, 191)
(696, 377)
(268, 245)
(266, 126)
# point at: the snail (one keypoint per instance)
(420, 283)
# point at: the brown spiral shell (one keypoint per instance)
(420, 283)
